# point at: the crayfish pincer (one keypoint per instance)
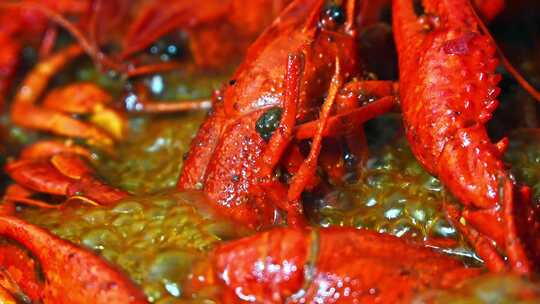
(449, 89)
(70, 274)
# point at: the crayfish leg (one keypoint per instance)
(370, 11)
(363, 90)
(87, 98)
(351, 113)
(37, 80)
(33, 117)
(19, 273)
(339, 124)
(144, 104)
(26, 113)
(275, 191)
(358, 102)
(7, 207)
(481, 244)
(161, 107)
(77, 98)
(17, 194)
(490, 8)
(515, 242)
(38, 175)
(48, 148)
(307, 169)
(282, 136)
(355, 94)
(292, 160)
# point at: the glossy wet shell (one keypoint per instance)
(222, 157)
(334, 265)
(448, 88)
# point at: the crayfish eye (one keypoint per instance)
(332, 17)
(268, 122)
(167, 48)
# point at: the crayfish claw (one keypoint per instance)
(71, 274)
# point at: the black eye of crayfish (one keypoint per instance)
(268, 122)
(332, 17)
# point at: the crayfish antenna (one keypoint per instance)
(524, 83)
(282, 136)
(350, 13)
(307, 169)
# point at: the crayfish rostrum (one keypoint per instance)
(310, 131)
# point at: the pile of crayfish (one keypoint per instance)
(290, 124)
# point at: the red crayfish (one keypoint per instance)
(283, 80)
(301, 84)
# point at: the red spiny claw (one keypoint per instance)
(40, 267)
(59, 169)
(448, 88)
(336, 265)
